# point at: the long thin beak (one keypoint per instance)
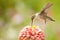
(32, 18)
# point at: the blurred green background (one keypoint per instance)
(15, 14)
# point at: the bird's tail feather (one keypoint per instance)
(50, 18)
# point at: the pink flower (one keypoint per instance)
(31, 33)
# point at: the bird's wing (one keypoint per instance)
(46, 7)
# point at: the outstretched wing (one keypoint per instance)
(46, 7)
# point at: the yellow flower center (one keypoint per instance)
(33, 26)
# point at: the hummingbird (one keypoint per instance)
(43, 14)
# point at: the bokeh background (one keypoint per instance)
(15, 14)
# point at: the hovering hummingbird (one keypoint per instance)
(43, 14)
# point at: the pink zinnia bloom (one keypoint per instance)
(31, 33)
